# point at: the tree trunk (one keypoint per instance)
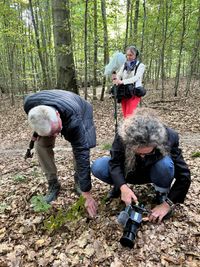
(85, 49)
(127, 23)
(164, 39)
(149, 73)
(143, 27)
(38, 46)
(63, 46)
(106, 54)
(180, 53)
(135, 22)
(194, 59)
(95, 51)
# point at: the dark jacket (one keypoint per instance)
(78, 126)
(182, 182)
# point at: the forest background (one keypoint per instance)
(66, 44)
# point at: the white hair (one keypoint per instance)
(40, 119)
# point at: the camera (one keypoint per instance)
(131, 219)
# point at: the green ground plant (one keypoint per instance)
(196, 154)
(73, 214)
(106, 146)
(19, 178)
(3, 207)
(39, 204)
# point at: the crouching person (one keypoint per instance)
(51, 112)
(146, 151)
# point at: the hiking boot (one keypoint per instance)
(114, 193)
(53, 191)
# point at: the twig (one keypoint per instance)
(16, 170)
(168, 101)
(164, 108)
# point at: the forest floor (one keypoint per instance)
(25, 241)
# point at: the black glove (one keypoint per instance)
(28, 154)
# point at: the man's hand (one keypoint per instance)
(159, 212)
(127, 195)
(90, 204)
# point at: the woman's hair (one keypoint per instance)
(142, 129)
(133, 50)
(40, 119)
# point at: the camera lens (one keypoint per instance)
(129, 235)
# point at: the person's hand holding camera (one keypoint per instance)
(117, 81)
(127, 195)
(114, 76)
(159, 212)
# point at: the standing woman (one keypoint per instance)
(130, 73)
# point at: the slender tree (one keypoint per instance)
(127, 23)
(86, 49)
(95, 51)
(42, 62)
(136, 19)
(180, 51)
(106, 53)
(195, 52)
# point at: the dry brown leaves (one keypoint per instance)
(92, 243)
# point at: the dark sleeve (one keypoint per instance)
(182, 177)
(75, 134)
(117, 161)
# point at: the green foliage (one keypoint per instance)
(104, 200)
(74, 213)
(19, 178)
(3, 207)
(196, 154)
(106, 146)
(39, 204)
(35, 172)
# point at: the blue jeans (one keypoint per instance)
(161, 174)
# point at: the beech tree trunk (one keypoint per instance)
(63, 46)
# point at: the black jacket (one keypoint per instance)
(78, 126)
(182, 182)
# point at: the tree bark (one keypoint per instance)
(85, 49)
(143, 27)
(127, 23)
(38, 46)
(136, 18)
(63, 46)
(95, 51)
(106, 54)
(194, 59)
(180, 53)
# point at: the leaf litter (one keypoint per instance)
(25, 242)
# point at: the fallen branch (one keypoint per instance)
(17, 170)
(190, 253)
(164, 108)
(168, 101)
